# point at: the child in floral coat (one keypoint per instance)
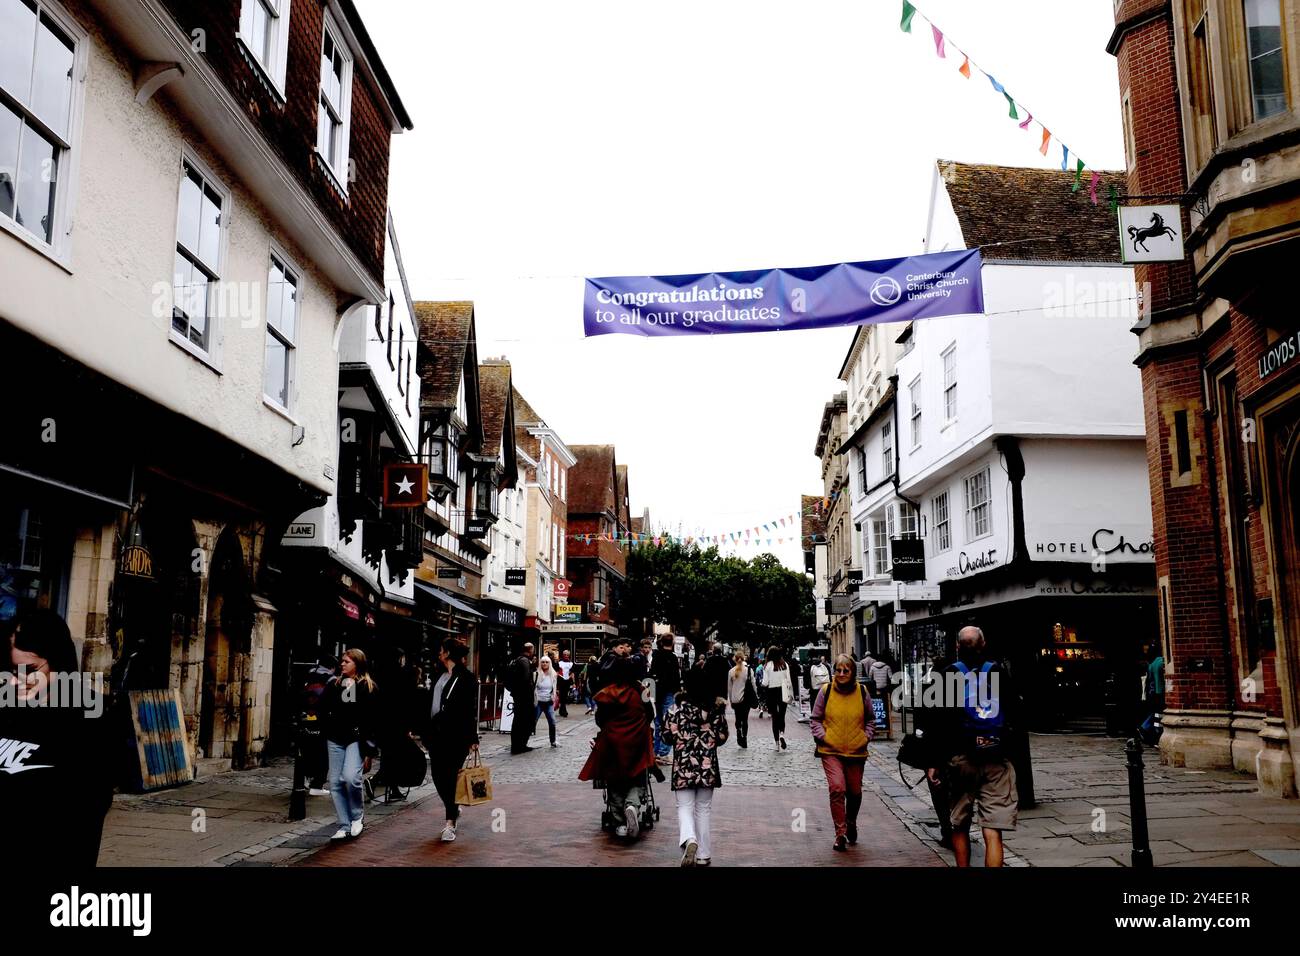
(694, 728)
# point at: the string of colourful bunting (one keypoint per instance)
(1015, 108)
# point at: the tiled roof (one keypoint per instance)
(1019, 213)
(590, 480)
(624, 501)
(446, 329)
(494, 394)
(814, 522)
(525, 418)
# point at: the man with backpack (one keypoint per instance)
(973, 748)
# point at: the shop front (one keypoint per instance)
(1074, 641)
(449, 615)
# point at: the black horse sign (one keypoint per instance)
(1151, 233)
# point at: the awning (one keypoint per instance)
(438, 594)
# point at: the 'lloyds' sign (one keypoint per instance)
(1277, 355)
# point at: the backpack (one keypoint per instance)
(983, 721)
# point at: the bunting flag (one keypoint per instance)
(1092, 186)
(1112, 197)
(909, 12)
(1014, 109)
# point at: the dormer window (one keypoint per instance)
(485, 495)
(333, 116)
(264, 31)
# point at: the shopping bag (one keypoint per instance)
(473, 783)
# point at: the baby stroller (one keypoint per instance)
(610, 818)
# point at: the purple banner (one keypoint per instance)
(850, 293)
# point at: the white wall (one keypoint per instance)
(109, 314)
(1074, 488)
(510, 546)
(1062, 351)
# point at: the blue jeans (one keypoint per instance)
(546, 707)
(345, 781)
(661, 748)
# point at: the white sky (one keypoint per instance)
(556, 141)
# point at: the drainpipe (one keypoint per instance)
(1009, 447)
(898, 452)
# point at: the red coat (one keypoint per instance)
(624, 748)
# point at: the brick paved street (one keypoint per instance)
(552, 819)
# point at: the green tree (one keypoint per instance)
(702, 594)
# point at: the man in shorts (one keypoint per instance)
(974, 727)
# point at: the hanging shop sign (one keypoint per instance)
(769, 300)
(869, 614)
(448, 573)
(406, 485)
(516, 577)
(561, 590)
(1151, 233)
(505, 616)
(909, 559)
(567, 613)
(136, 562)
(476, 528)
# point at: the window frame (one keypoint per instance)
(276, 70)
(915, 391)
(887, 448)
(942, 528)
(1252, 116)
(216, 328)
(879, 547)
(339, 172)
(949, 385)
(972, 533)
(289, 267)
(68, 147)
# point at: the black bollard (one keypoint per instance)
(298, 798)
(1137, 806)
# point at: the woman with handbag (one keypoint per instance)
(546, 685)
(778, 691)
(348, 726)
(694, 728)
(843, 723)
(742, 696)
(452, 729)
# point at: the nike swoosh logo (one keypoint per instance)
(36, 766)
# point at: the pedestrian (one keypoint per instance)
(974, 733)
(56, 785)
(450, 731)
(742, 695)
(864, 669)
(696, 727)
(717, 667)
(938, 785)
(1155, 683)
(842, 723)
(819, 675)
(519, 681)
(758, 682)
(778, 691)
(311, 740)
(349, 727)
(399, 707)
(623, 751)
(882, 675)
(545, 683)
(667, 675)
(565, 667)
(796, 686)
(589, 683)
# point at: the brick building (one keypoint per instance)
(597, 564)
(1208, 91)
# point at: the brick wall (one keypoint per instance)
(290, 127)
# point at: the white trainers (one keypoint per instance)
(318, 792)
(341, 834)
(688, 853)
(633, 816)
(620, 831)
(356, 828)
(448, 834)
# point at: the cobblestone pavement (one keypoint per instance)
(772, 810)
(1196, 818)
